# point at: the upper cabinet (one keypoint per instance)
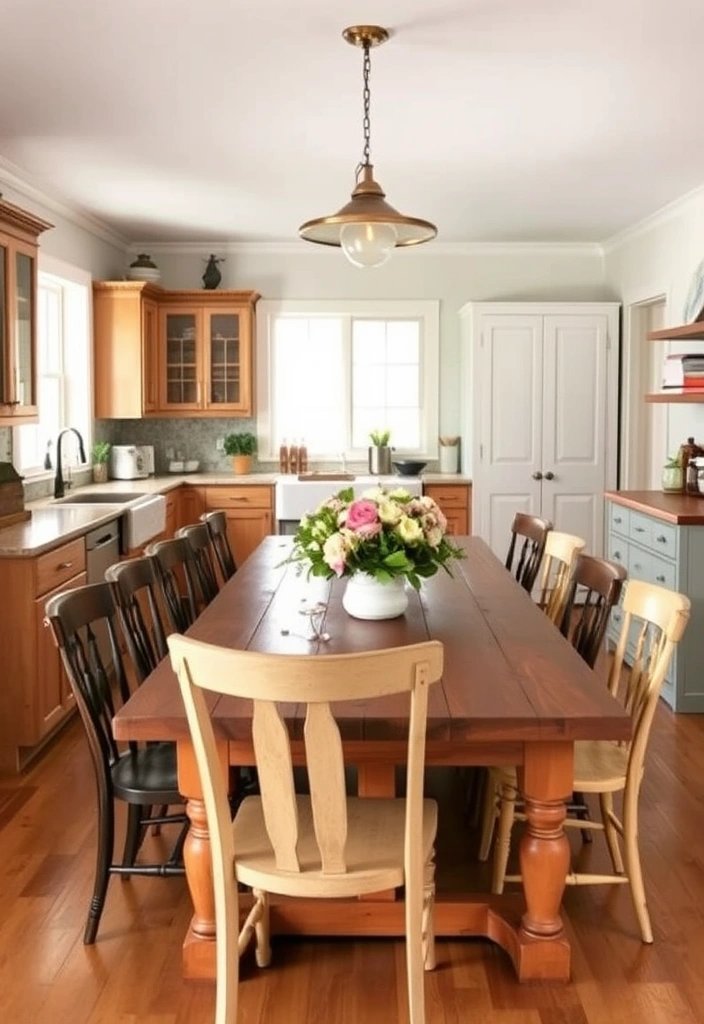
(686, 332)
(189, 351)
(19, 232)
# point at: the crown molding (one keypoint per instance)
(297, 248)
(13, 177)
(654, 220)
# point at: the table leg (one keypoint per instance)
(199, 944)
(546, 783)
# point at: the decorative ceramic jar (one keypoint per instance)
(143, 269)
(366, 598)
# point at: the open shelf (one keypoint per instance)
(677, 395)
(687, 332)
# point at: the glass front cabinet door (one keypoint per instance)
(18, 314)
(205, 361)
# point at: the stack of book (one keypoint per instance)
(684, 371)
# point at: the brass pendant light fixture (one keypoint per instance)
(367, 228)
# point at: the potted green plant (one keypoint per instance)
(380, 453)
(100, 452)
(241, 447)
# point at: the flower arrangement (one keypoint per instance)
(385, 534)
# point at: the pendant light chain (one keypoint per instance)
(366, 95)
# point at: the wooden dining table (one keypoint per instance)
(513, 692)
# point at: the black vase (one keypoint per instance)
(212, 276)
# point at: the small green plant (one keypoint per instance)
(380, 438)
(240, 444)
(100, 451)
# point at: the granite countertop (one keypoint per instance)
(682, 509)
(52, 524)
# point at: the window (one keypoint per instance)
(63, 366)
(330, 372)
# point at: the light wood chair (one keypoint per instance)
(558, 565)
(653, 624)
(528, 553)
(326, 844)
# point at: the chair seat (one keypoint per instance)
(374, 850)
(147, 776)
(600, 766)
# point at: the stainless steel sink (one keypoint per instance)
(100, 498)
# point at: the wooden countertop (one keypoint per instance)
(682, 509)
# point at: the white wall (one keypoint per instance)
(656, 258)
(482, 273)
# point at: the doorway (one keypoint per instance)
(644, 425)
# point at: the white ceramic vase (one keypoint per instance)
(367, 598)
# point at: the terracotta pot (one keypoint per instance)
(241, 464)
(100, 473)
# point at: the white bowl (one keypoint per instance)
(176, 467)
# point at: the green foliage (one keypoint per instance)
(240, 444)
(380, 438)
(385, 534)
(100, 451)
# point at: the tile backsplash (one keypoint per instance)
(186, 438)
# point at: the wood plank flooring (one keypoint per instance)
(132, 974)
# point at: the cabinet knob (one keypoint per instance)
(617, 519)
(617, 554)
(660, 579)
(661, 539)
(537, 475)
(549, 475)
(64, 565)
(639, 529)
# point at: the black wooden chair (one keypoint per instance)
(141, 776)
(136, 589)
(525, 552)
(198, 536)
(217, 526)
(177, 576)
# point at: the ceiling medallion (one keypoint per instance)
(367, 229)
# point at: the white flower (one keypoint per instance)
(389, 512)
(375, 494)
(434, 536)
(409, 530)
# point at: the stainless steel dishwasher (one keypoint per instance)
(102, 550)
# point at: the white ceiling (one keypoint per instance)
(500, 120)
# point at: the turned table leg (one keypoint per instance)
(546, 783)
(199, 945)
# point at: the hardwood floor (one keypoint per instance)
(132, 974)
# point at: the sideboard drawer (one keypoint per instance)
(663, 573)
(665, 539)
(620, 519)
(640, 564)
(618, 550)
(641, 530)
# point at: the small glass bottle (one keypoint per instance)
(302, 457)
(283, 456)
(293, 458)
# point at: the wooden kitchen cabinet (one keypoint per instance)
(35, 697)
(249, 510)
(205, 353)
(125, 342)
(191, 505)
(165, 353)
(455, 502)
(19, 232)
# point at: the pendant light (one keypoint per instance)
(367, 229)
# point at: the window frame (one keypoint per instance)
(57, 273)
(426, 311)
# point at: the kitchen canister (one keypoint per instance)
(449, 454)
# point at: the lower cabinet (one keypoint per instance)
(35, 697)
(670, 556)
(455, 502)
(249, 511)
(191, 505)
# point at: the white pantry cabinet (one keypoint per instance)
(541, 408)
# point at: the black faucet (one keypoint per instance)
(59, 479)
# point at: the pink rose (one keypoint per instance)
(361, 514)
(368, 531)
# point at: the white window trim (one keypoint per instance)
(426, 310)
(52, 267)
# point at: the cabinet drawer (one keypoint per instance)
(641, 530)
(663, 573)
(618, 550)
(237, 497)
(665, 539)
(620, 519)
(59, 565)
(448, 495)
(640, 564)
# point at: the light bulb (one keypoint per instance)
(368, 244)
